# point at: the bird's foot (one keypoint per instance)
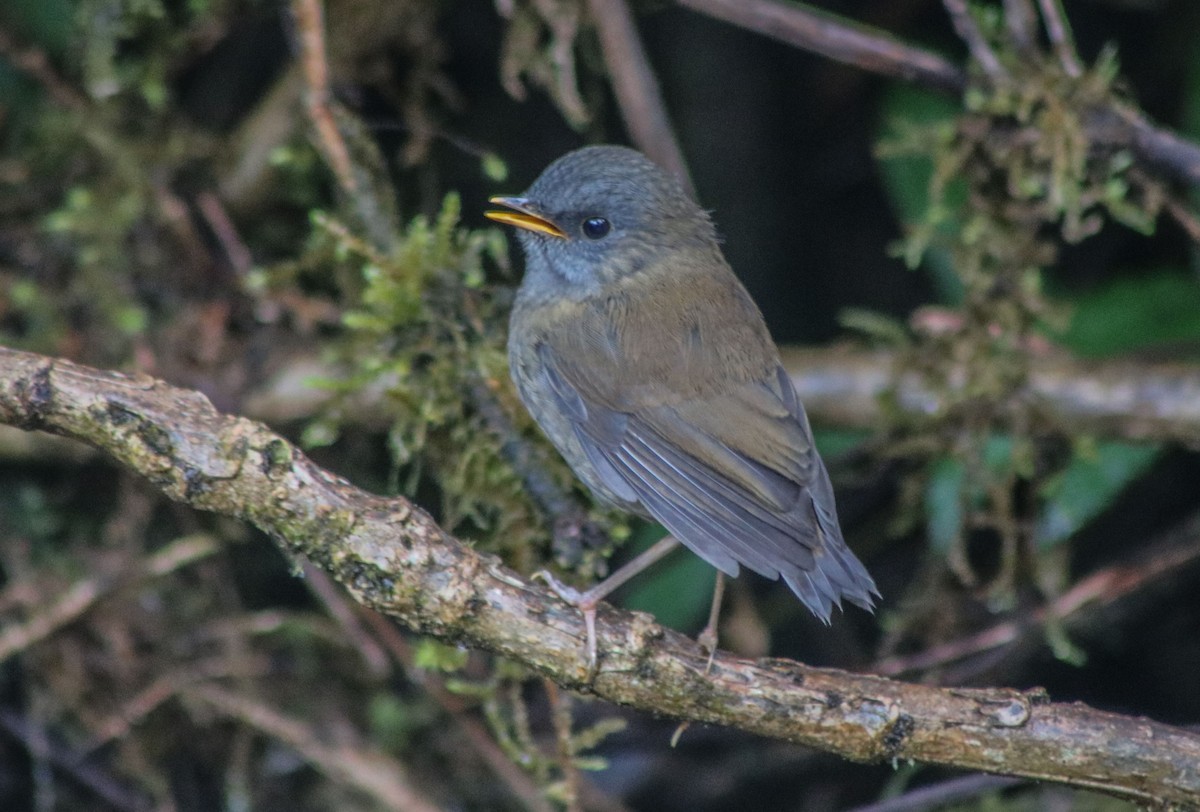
(708, 635)
(586, 603)
(708, 641)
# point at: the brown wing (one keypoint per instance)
(730, 471)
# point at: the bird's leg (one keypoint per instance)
(708, 635)
(586, 601)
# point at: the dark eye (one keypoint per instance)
(596, 227)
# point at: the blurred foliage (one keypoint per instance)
(423, 328)
(1151, 309)
(542, 43)
(991, 193)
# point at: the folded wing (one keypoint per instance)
(731, 474)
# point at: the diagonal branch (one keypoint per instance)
(874, 50)
(838, 38)
(391, 556)
(970, 33)
(1058, 30)
(636, 87)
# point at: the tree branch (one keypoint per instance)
(877, 51)
(842, 386)
(1113, 398)
(838, 38)
(636, 87)
(390, 555)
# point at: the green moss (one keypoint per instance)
(426, 326)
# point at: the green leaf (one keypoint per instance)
(912, 116)
(1088, 485)
(1134, 313)
(944, 503)
(435, 656)
(494, 167)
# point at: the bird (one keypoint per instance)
(644, 360)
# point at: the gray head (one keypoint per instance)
(600, 213)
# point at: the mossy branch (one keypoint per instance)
(390, 555)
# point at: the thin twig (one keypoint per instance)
(636, 87)
(310, 22)
(223, 228)
(1182, 214)
(941, 794)
(877, 51)
(85, 593)
(474, 731)
(34, 62)
(971, 34)
(334, 599)
(836, 37)
(1100, 589)
(167, 686)
(1020, 18)
(1061, 39)
(74, 764)
(560, 712)
(372, 771)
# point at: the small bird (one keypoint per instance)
(642, 357)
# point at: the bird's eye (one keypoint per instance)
(596, 227)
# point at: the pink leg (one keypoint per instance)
(586, 601)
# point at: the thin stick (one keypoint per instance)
(560, 706)
(943, 793)
(1102, 588)
(310, 22)
(838, 38)
(1061, 38)
(636, 87)
(86, 592)
(977, 44)
(472, 729)
(1020, 17)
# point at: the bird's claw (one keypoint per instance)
(585, 602)
(708, 641)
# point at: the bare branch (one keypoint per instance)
(391, 556)
(636, 87)
(877, 51)
(310, 23)
(977, 44)
(86, 592)
(374, 772)
(1061, 39)
(1127, 399)
(837, 38)
(1075, 608)
(1020, 19)
(941, 794)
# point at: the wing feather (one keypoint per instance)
(732, 474)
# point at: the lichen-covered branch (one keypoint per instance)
(390, 555)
